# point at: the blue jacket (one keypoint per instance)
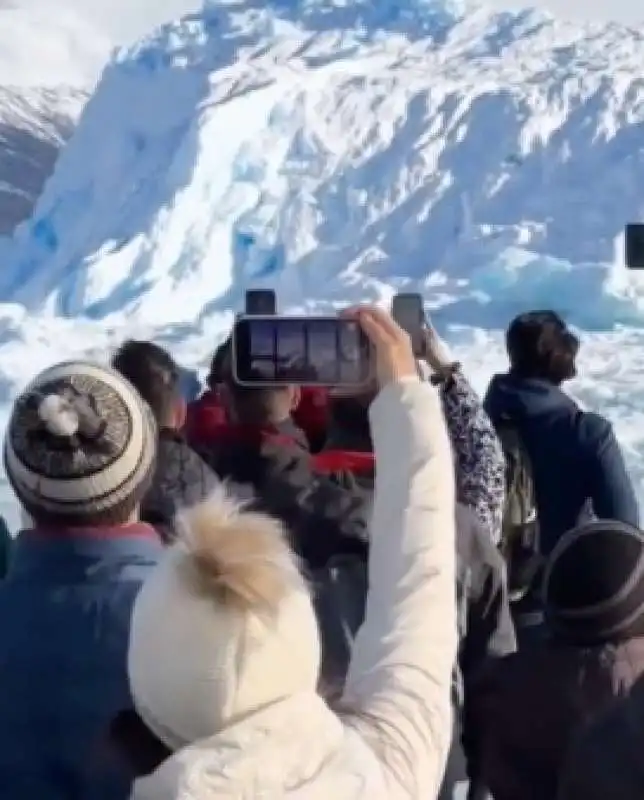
(577, 463)
(64, 614)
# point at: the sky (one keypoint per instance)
(127, 19)
(628, 11)
(124, 20)
(73, 38)
(134, 16)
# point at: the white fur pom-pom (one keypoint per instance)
(58, 416)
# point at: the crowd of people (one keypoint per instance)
(295, 592)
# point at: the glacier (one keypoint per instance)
(337, 152)
(312, 143)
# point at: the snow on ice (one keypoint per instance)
(344, 151)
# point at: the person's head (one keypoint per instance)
(540, 346)
(80, 447)
(156, 376)
(222, 628)
(250, 405)
(220, 365)
(594, 584)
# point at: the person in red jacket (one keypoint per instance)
(206, 416)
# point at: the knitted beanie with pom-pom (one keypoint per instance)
(80, 443)
(223, 627)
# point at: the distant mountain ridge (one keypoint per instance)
(50, 59)
(34, 126)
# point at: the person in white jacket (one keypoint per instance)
(224, 654)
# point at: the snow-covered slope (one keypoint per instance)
(48, 62)
(345, 146)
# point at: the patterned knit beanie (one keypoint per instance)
(80, 444)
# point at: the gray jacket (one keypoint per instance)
(181, 480)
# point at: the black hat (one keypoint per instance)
(594, 584)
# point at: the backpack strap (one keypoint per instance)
(519, 544)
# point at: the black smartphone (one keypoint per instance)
(306, 351)
(634, 245)
(261, 302)
(407, 309)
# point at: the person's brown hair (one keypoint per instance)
(540, 346)
(220, 366)
(153, 373)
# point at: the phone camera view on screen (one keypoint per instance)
(291, 362)
(261, 350)
(324, 350)
(354, 354)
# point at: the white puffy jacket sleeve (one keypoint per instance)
(400, 673)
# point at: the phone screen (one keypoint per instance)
(634, 242)
(261, 302)
(324, 351)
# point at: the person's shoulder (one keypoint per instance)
(175, 454)
(284, 454)
(493, 400)
(593, 429)
(171, 442)
(193, 456)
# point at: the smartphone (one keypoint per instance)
(261, 302)
(305, 351)
(407, 309)
(634, 245)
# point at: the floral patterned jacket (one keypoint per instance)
(480, 464)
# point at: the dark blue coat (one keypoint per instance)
(577, 463)
(65, 611)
